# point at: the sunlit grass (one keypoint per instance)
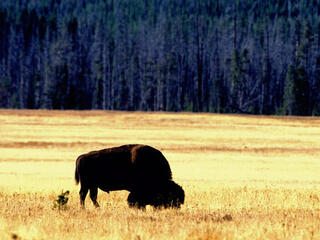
(245, 177)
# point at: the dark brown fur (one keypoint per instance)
(140, 169)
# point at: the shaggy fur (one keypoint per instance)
(140, 169)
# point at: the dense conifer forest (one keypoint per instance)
(225, 56)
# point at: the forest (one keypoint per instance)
(222, 56)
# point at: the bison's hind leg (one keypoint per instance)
(134, 201)
(93, 196)
(83, 193)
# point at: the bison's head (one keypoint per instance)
(168, 194)
(173, 195)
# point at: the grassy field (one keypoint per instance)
(245, 177)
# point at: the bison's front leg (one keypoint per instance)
(93, 196)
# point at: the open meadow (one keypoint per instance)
(245, 177)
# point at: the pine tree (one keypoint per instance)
(238, 80)
(315, 90)
(302, 91)
(296, 95)
(289, 92)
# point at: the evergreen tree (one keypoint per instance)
(289, 92)
(296, 99)
(302, 91)
(315, 90)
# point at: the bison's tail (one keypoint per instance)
(76, 176)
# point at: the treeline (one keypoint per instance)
(244, 56)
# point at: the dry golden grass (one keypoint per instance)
(245, 177)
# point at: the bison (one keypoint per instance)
(140, 169)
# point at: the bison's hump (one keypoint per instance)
(150, 162)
